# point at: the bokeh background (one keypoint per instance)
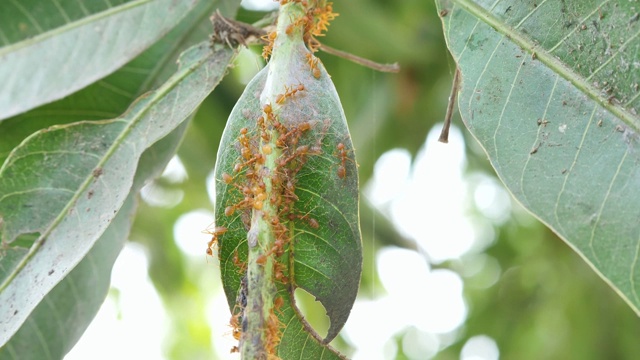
(454, 268)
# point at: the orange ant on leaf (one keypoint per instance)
(316, 21)
(289, 92)
(241, 265)
(262, 259)
(219, 230)
(342, 154)
(313, 65)
(270, 39)
(226, 178)
(322, 17)
(234, 322)
(279, 274)
(273, 335)
(278, 303)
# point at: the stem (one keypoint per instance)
(393, 68)
(444, 135)
(246, 34)
(261, 287)
(261, 334)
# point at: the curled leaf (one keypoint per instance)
(287, 138)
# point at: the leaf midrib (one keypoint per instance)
(159, 94)
(71, 26)
(549, 60)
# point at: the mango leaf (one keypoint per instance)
(62, 178)
(107, 98)
(550, 90)
(52, 48)
(324, 255)
(111, 96)
(66, 311)
(84, 289)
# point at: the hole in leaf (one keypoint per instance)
(25, 240)
(313, 312)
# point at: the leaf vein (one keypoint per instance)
(319, 237)
(14, 159)
(569, 172)
(82, 7)
(530, 14)
(332, 205)
(62, 12)
(613, 56)
(56, 314)
(12, 351)
(466, 44)
(115, 89)
(504, 108)
(536, 142)
(304, 346)
(634, 98)
(484, 70)
(16, 193)
(553, 48)
(311, 268)
(604, 201)
(26, 13)
(231, 253)
(40, 337)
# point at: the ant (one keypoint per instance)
(288, 92)
(219, 230)
(252, 158)
(277, 250)
(227, 179)
(247, 153)
(278, 303)
(303, 20)
(278, 273)
(269, 111)
(342, 153)
(234, 322)
(323, 15)
(270, 39)
(313, 223)
(290, 137)
(239, 263)
(273, 334)
(262, 259)
(313, 64)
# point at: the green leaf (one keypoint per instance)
(105, 99)
(551, 93)
(66, 183)
(324, 253)
(52, 48)
(111, 96)
(67, 310)
(74, 300)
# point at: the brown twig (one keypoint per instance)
(393, 68)
(444, 135)
(233, 33)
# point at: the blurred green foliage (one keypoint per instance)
(547, 303)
